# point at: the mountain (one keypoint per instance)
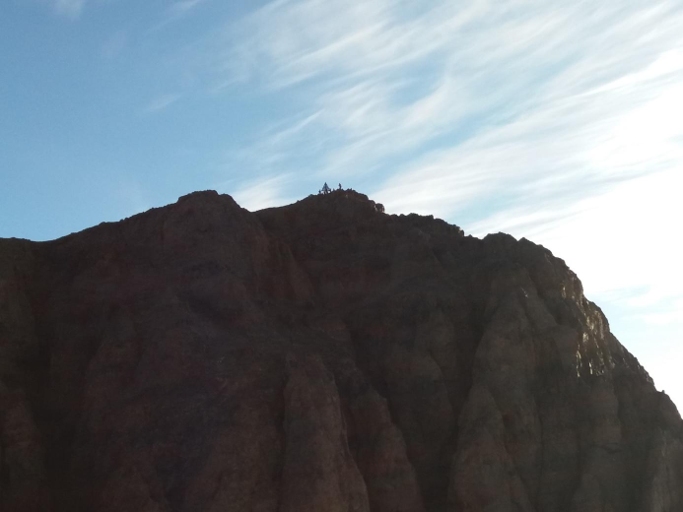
(322, 356)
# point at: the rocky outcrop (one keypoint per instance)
(320, 356)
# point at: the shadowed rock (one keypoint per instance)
(320, 356)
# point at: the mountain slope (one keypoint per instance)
(320, 356)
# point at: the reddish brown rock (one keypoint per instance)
(320, 356)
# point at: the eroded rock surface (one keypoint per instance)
(321, 356)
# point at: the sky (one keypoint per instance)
(557, 121)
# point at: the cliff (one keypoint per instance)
(323, 356)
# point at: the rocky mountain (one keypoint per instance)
(322, 356)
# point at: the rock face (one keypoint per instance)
(322, 356)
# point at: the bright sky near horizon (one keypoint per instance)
(558, 121)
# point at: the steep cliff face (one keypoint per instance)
(320, 356)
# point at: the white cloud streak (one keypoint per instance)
(176, 12)
(115, 44)
(388, 79)
(70, 8)
(260, 194)
(183, 6)
(162, 102)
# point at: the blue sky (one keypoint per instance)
(558, 121)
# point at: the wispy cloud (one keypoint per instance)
(70, 8)
(259, 194)
(162, 102)
(177, 11)
(115, 44)
(285, 43)
(390, 81)
(182, 6)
